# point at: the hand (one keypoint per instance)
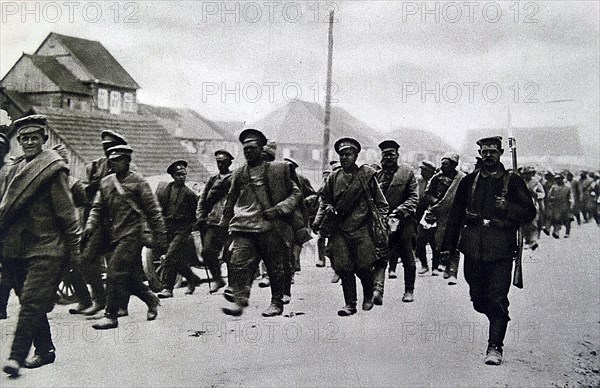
(271, 213)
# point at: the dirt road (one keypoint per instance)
(439, 340)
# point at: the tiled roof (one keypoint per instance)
(58, 74)
(532, 141)
(186, 123)
(154, 148)
(417, 140)
(98, 61)
(301, 122)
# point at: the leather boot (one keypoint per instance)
(39, 360)
(152, 307)
(11, 367)
(93, 309)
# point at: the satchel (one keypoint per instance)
(379, 225)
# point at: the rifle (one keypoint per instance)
(518, 275)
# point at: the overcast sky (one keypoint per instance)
(386, 56)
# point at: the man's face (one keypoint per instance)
(119, 164)
(447, 166)
(490, 155)
(252, 152)
(348, 157)
(426, 173)
(31, 144)
(179, 177)
(389, 159)
(223, 165)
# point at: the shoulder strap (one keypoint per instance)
(121, 191)
(472, 199)
(506, 179)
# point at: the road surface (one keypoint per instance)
(439, 340)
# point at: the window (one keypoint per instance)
(102, 98)
(115, 102)
(128, 102)
(316, 155)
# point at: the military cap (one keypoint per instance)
(497, 140)
(451, 156)
(291, 161)
(253, 135)
(4, 142)
(31, 124)
(389, 145)
(427, 165)
(335, 165)
(176, 167)
(118, 151)
(346, 142)
(558, 175)
(109, 136)
(223, 154)
(270, 149)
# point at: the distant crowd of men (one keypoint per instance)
(366, 219)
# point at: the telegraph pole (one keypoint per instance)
(326, 132)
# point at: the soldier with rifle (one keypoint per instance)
(489, 208)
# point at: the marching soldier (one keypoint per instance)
(559, 204)
(215, 239)
(440, 194)
(425, 236)
(399, 186)
(40, 230)
(262, 194)
(178, 204)
(125, 199)
(344, 214)
(530, 231)
(5, 285)
(489, 206)
(97, 245)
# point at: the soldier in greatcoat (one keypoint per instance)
(559, 203)
(345, 207)
(489, 207)
(39, 232)
(399, 186)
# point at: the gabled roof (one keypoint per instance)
(20, 100)
(301, 122)
(418, 140)
(58, 74)
(185, 123)
(98, 61)
(532, 141)
(154, 148)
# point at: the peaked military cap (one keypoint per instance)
(30, 124)
(291, 161)
(389, 145)
(176, 167)
(346, 142)
(427, 165)
(119, 150)
(497, 140)
(221, 154)
(335, 165)
(253, 135)
(4, 142)
(530, 168)
(109, 136)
